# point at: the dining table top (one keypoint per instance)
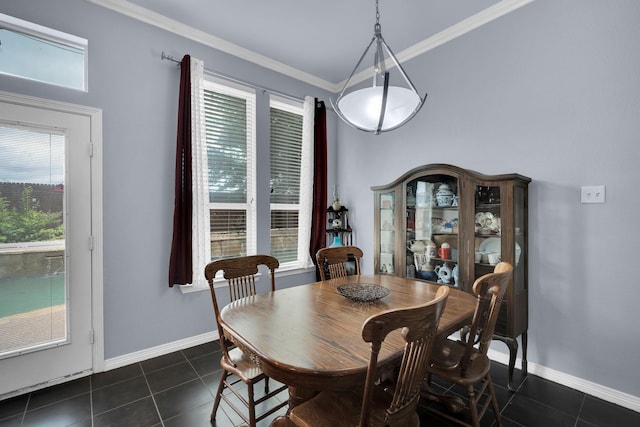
(310, 335)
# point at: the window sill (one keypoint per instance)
(220, 282)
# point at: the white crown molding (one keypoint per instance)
(134, 11)
(152, 18)
(456, 30)
(463, 27)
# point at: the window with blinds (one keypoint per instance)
(285, 157)
(230, 138)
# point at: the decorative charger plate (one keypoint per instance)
(363, 292)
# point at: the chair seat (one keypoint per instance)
(331, 409)
(445, 360)
(447, 354)
(241, 365)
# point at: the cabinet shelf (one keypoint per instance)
(436, 259)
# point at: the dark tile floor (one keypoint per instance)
(176, 390)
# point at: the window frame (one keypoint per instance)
(256, 204)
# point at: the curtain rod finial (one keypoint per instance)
(170, 58)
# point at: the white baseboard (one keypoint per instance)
(602, 392)
(161, 350)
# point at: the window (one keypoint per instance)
(286, 152)
(230, 140)
(35, 52)
(224, 163)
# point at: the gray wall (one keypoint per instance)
(138, 93)
(552, 92)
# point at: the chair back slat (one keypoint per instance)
(337, 270)
(419, 325)
(489, 290)
(332, 262)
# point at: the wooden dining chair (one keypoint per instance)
(464, 362)
(334, 261)
(239, 366)
(373, 404)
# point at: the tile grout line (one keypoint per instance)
(26, 406)
(584, 397)
(153, 399)
(91, 398)
(205, 384)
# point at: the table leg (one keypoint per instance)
(282, 421)
(298, 395)
(524, 352)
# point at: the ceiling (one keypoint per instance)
(318, 42)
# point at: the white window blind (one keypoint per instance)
(286, 150)
(230, 140)
(290, 144)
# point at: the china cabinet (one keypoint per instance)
(449, 225)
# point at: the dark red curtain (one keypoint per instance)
(181, 260)
(319, 213)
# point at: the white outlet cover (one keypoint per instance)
(592, 194)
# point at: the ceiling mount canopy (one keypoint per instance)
(382, 106)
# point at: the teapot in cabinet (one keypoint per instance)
(416, 246)
(444, 273)
(422, 247)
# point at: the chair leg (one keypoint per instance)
(252, 406)
(216, 402)
(494, 402)
(473, 406)
(266, 385)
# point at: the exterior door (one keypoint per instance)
(46, 244)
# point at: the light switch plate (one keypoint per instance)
(592, 194)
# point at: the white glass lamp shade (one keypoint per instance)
(362, 108)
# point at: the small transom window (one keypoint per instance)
(34, 52)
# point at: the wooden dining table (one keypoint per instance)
(309, 336)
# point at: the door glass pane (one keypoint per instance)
(33, 295)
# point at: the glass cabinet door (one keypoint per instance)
(488, 229)
(387, 245)
(520, 237)
(432, 240)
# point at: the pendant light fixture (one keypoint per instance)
(383, 106)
